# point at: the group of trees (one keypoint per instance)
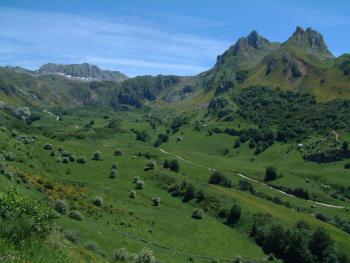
(221, 179)
(296, 244)
(173, 165)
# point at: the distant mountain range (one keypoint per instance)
(82, 71)
(301, 64)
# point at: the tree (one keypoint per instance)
(219, 178)
(270, 174)
(234, 215)
(190, 193)
(237, 144)
(166, 164)
(321, 246)
(345, 146)
(97, 156)
(174, 165)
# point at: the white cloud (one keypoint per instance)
(133, 46)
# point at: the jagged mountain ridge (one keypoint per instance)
(83, 71)
(302, 63)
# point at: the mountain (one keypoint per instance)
(303, 63)
(252, 154)
(83, 71)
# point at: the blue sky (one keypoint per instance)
(141, 37)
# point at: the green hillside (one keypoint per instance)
(246, 162)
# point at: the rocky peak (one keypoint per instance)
(255, 40)
(309, 39)
(248, 44)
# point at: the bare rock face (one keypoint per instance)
(294, 68)
(310, 40)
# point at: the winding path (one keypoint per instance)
(250, 179)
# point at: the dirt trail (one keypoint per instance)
(336, 135)
(251, 179)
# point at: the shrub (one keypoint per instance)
(48, 146)
(197, 213)
(97, 156)
(237, 144)
(174, 165)
(132, 194)
(234, 215)
(61, 206)
(9, 156)
(114, 166)
(49, 185)
(136, 178)
(166, 164)
(219, 178)
(113, 173)
(155, 200)
(270, 174)
(121, 254)
(347, 166)
(65, 160)
(97, 201)
(71, 235)
(22, 218)
(90, 245)
(81, 160)
(245, 185)
(150, 165)
(72, 158)
(140, 184)
(145, 256)
(118, 152)
(76, 215)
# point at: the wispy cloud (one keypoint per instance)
(126, 45)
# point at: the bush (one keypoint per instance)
(150, 165)
(245, 185)
(347, 166)
(81, 160)
(140, 184)
(234, 215)
(72, 158)
(9, 156)
(132, 194)
(270, 174)
(22, 218)
(219, 178)
(155, 200)
(76, 215)
(48, 146)
(145, 256)
(65, 160)
(97, 201)
(70, 235)
(237, 144)
(118, 152)
(90, 245)
(113, 173)
(97, 156)
(121, 254)
(136, 178)
(61, 206)
(174, 165)
(197, 213)
(166, 164)
(114, 166)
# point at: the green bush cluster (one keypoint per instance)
(296, 244)
(219, 178)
